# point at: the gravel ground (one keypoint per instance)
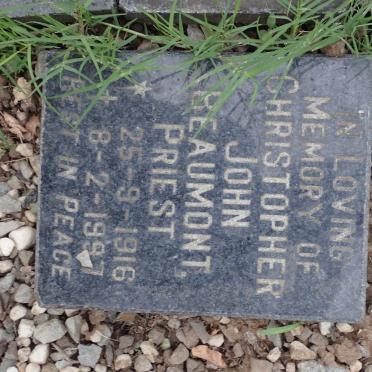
(35, 339)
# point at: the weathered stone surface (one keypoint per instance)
(203, 6)
(180, 220)
(28, 8)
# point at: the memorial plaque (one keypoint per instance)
(262, 212)
(212, 7)
(31, 8)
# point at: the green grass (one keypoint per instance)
(279, 330)
(96, 39)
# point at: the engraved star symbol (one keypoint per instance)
(140, 89)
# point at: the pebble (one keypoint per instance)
(8, 226)
(32, 367)
(149, 350)
(37, 309)
(356, 366)
(6, 282)
(344, 327)
(23, 294)
(17, 312)
(50, 331)
(142, 364)
(26, 328)
(156, 336)
(195, 33)
(325, 328)
(238, 350)
(100, 368)
(274, 355)
(166, 344)
(123, 361)
(347, 352)
(25, 169)
(25, 149)
(23, 354)
(299, 351)
(260, 365)
(290, 367)
(89, 354)
(179, 355)
(216, 340)
(6, 247)
(201, 332)
(125, 341)
(212, 356)
(73, 325)
(174, 323)
(9, 204)
(12, 369)
(39, 354)
(5, 266)
(24, 237)
(224, 320)
(30, 216)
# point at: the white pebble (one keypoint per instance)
(356, 366)
(37, 309)
(149, 350)
(100, 368)
(30, 216)
(5, 266)
(32, 367)
(26, 328)
(23, 354)
(325, 328)
(24, 237)
(344, 327)
(25, 149)
(12, 369)
(6, 247)
(17, 312)
(123, 361)
(39, 354)
(274, 355)
(216, 340)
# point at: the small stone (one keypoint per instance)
(125, 341)
(123, 361)
(259, 365)
(299, 351)
(238, 350)
(12, 369)
(347, 352)
(50, 331)
(216, 340)
(201, 332)
(73, 326)
(32, 367)
(149, 350)
(25, 169)
(187, 336)
(6, 282)
(17, 312)
(337, 49)
(165, 345)
(100, 368)
(23, 294)
(356, 366)
(156, 336)
(325, 328)
(84, 259)
(212, 356)
(274, 355)
(37, 309)
(224, 320)
(179, 355)
(8, 226)
(5, 266)
(142, 364)
(25, 149)
(290, 367)
(39, 354)
(24, 237)
(23, 354)
(344, 327)
(6, 247)
(14, 183)
(195, 32)
(8, 204)
(89, 354)
(68, 368)
(30, 216)
(49, 367)
(250, 337)
(174, 323)
(26, 328)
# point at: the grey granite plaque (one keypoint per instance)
(263, 213)
(213, 7)
(32, 8)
